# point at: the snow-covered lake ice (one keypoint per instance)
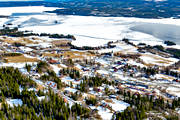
(90, 30)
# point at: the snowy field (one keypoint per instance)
(151, 59)
(89, 30)
(174, 91)
(116, 105)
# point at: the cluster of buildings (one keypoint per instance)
(124, 73)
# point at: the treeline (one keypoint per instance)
(133, 56)
(174, 52)
(141, 104)
(14, 32)
(150, 71)
(128, 42)
(168, 71)
(11, 54)
(18, 44)
(91, 48)
(58, 36)
(169, 43)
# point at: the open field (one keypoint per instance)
(174, 91)
(21, 40)
(70, 54)
(165, 77)
(20, 59)
(60, 42)
(151, 59)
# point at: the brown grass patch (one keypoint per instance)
(20, 59)
(65, 47)
(98, 117)
(77, 69)
(76, 54)
(60, 42)
(91, 96)
(59, 66)
(109, 101)
(70, 54)
(148, 65)
(51, 55)
(18, 40)
(164, 62)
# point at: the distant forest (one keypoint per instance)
(113, 8)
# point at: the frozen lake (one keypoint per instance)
(91, 30)
(161, 31)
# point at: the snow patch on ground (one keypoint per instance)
(103, 112)
(41, 98)
(14, 102)
(70, 89)
(162, 76)
(56, 69)
(132, 62)
(16, 65)
(174, 91)
(118, 105)
(103, 72)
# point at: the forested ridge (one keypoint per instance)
(52, 107)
